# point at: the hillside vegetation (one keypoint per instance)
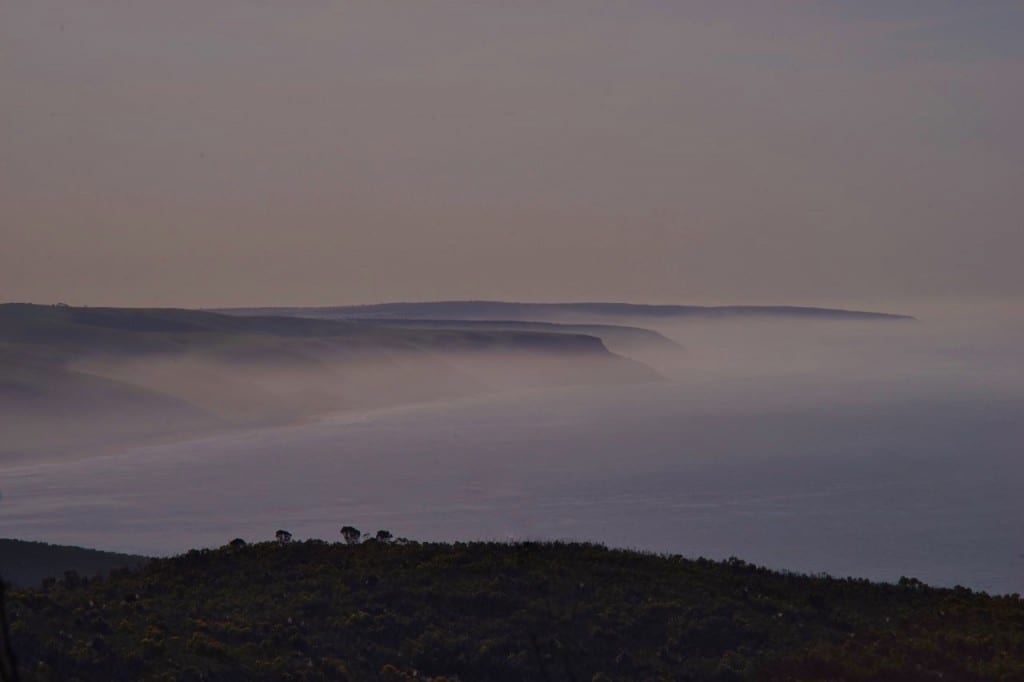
(396, 610)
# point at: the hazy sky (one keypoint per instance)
(237, 152)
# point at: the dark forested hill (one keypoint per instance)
(27, 564)
(384, 610)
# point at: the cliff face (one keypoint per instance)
(74, 379)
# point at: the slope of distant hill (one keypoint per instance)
(27, 564)
(560, 312)
(73, 378)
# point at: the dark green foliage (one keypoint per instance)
(488, 611)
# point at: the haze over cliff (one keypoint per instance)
(77, 378)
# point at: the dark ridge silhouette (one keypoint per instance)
(645, 345)
(57, 334)
(503, 310)
(156, 329)
(611, 334)
(26, 564)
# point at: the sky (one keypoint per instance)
(255, 152)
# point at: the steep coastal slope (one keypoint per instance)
(75, 378)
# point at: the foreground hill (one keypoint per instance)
(385, 610)
(27, 564)
(561, 312)
(72, 379)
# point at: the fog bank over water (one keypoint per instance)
(856, 448)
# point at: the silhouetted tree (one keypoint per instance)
(351, 534)
(384, 536)
(72, 579)
(283, 537)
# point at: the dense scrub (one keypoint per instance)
(384, 610)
